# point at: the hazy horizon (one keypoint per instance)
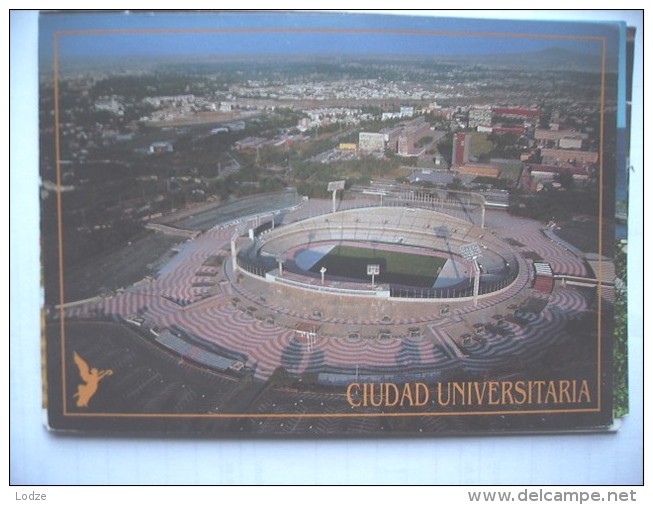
(249, 35)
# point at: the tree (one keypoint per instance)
(566, 180)
(424, 141)
(621, 335)
(280, 378)
(456, 184)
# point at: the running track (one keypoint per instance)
(268, 346)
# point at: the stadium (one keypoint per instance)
(314, 277)
(277, 313)
(406, 290)
(418, 256)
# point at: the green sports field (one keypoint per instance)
(397, 267)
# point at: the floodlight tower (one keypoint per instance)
(280, 261)
(471, 252)
(335, 186)
(234, 253)
(483, 202)
(477, 277)
(373, 270)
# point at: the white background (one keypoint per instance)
(37, 457)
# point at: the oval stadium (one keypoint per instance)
(411, 290)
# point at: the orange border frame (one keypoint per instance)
(65, 33)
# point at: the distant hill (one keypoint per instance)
(550, 58)
(553, 58)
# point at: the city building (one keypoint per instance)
(514, 130)
(535, 176)
(478, 170)
(563, 139)
(371, 142)
(392, 137)
(160, 147)
(408, 141)
(480, 116)
(517, 112)
(111, 105)
(461, 144)
(169, 101)
(569, 156)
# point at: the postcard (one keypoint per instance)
(332, 225)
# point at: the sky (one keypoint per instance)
(106, 35)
